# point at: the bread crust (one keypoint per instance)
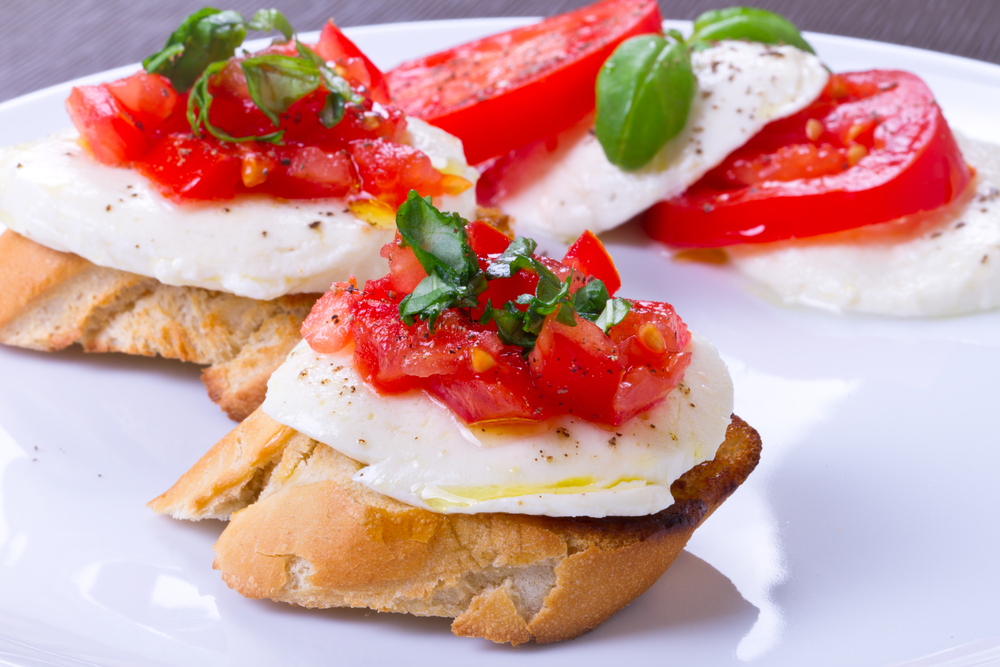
(301, 531)
(50, 300)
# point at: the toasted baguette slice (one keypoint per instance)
(50, 300)
(302, 532)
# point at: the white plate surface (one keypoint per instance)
(869, 535)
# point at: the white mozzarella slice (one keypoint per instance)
(944, 262)
(418, 452)
(55, 194)
(741, 88)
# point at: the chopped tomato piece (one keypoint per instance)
(589, 256)
(335, 46)
(148, 98)
(504, 392)
(485, 239)
(504, 91)
(390, 170)
(183, 166)
(112, 135)
(577, 368)
(873, 147)
(327, 329)
(321, 173)
(405, 269)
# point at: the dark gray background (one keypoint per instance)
(44, 42)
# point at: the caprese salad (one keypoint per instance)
(846, 191)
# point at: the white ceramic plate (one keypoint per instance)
(869, 535)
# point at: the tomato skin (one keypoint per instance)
(481, 91)
(148, 98)
(335, 46)
(589, 256)
(112, 135)
(909, 162)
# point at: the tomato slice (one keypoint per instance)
(504, 91)
(874, 147)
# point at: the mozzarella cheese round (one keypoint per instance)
(741, 88)
(54, 193)
(418, 452)
(939, 263)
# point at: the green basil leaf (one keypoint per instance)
(306, 52)
(438, 240)
(614, 312)
(200, 101)
(756, 25)
(431, 297)
(510, 325)
(644, 93)
(441, 245)
(564, 315)
(276, 82)
(205, 37)
(591, 299)
(266, 20)
(518, 255)
(332, 111)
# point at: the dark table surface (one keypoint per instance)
(44, 42)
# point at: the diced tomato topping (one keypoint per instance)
(140, 120)
(578, 370)
(874, 147)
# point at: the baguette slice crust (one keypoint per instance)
(50, 300)
(301, 531)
